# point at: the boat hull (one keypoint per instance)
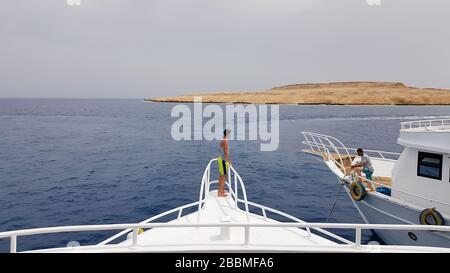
(379, 210)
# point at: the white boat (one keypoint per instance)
(224, 224)
(411, 188)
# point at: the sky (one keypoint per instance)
(153, 48)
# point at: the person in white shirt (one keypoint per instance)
(365, 164)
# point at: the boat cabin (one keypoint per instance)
(423, 167)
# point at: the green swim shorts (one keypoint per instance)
(223, 166)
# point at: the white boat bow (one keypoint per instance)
(225, 224)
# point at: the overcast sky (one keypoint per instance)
(148, 48)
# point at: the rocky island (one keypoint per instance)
(338, 93)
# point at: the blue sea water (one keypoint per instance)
(80, 161)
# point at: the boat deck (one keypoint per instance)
(346, 161)
(217, 209)
(207, 239)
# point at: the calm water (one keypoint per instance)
(67, 162)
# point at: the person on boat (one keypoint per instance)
(224, 162)
(366, 164)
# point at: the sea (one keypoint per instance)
(103, 161)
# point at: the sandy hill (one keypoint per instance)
(348, 93)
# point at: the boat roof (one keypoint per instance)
(432, 125)
(428, 136)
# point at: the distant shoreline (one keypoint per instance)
(345, 93)
(291, 104)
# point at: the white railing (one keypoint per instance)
(323, 143)
(444, 123)
(179, 211)
(331, 147)
(13, 235)
(206, 183)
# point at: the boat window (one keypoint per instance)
(430, 165)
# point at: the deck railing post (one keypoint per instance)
(309, 142)
(247, 235)
(13, 244)
(315, 142)
(202, 187)
(235, 192)
(135, 236)
(208, 177)
(229, 180)
(357, 236)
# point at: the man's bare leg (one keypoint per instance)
(221, 191)
(221, 182)
(368, 183)
(354, 170)
(358, 172)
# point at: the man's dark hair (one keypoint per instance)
(226, 131)
(360, 150)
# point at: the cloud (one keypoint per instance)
(137, 48)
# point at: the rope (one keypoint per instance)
(335, 201)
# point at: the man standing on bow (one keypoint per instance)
(224, 162)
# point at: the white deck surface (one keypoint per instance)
(209, 238)
(215, 210)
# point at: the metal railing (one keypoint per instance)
(323, 143)
(204, 190)
(333, 147)
(206, 183)
(13, 235)
(179, 211)
(317, 143)
(444, 123)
